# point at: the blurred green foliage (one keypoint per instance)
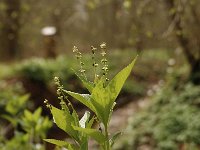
(146, 71)
(170, 122)
(43, 70)
(20, 129)
(12, 98)
(34, 128)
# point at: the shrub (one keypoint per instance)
(43, 70)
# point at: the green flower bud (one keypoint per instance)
(75, 49)
(82, 70)
(95, 65)
(103, 45)
(103, 53)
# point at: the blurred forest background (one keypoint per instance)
(37, 38)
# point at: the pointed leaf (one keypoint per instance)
(37, 114)
(83, 98)
(64, 120)
(75, 116)
(28, 115)
(100, 101)
(90, 123)
(12, 120)
(59, 118)
(115, 85)
(98, 93)
(84, 144)
(89, 85)
(95, 134)
(111, 111)
(104, 97)
(114, 137)
(57, 142)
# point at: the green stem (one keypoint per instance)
(31, 138)
(107, 144)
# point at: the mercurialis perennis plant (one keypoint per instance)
(100, 99)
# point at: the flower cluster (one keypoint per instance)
(79, 58)
(104, 61)
(60, 92)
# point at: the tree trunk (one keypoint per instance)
(195, 73)
(184, 41)
(11, 28)
(113, 22)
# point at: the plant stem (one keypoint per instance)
(31, 138)
(107, 144)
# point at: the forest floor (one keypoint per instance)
(120, 117)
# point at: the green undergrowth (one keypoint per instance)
(171, 122)
(151, 67)
(43, 70)
(20, 128)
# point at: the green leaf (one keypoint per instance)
(16, 104)
(116, 84)
(59, 118)
(83, 98)
(72, 147)
(89, 85)
(37, 114)
(111, 111)
(57, 142)
(84, 144)
(75, 116)
(99, 100)
(11, 119)
(95, 134)
(103, 98)
(98, 93)
(90, 123)
(114, 137)
(87, 101)
(28, 115)
(62, 144)
(64, 120)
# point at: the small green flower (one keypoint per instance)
(82, 71)
(104, 61)
(95, 64)
(75, 49)
(78, 56)
(93, 49)
(103, 45)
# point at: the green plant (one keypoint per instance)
(34, 128)
(42, 70)
(24, 128)
(171, 122)
(13, 101)
(100, 100)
